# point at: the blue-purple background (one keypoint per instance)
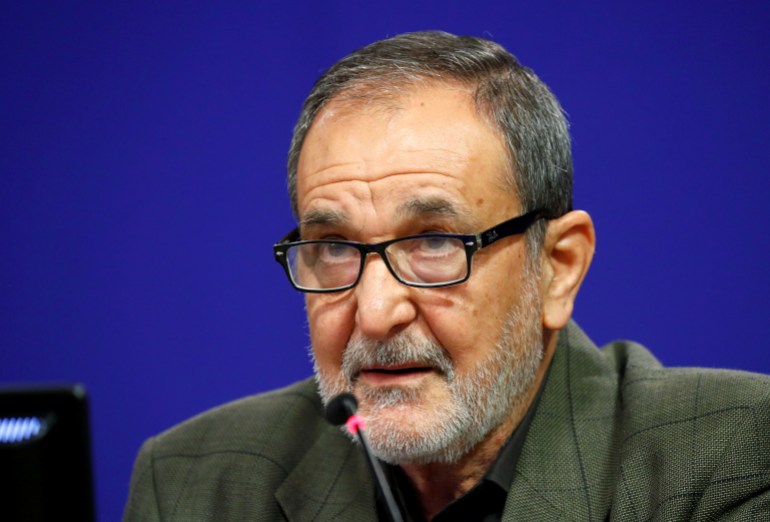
(142, 153)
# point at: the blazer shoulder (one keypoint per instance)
(232, 460)
(251, 424)
(646, 384)
(694, 442)
(696, 389)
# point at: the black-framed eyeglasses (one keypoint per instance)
(424, 260)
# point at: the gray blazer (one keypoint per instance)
(615, 437)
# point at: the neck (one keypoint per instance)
(438, 484)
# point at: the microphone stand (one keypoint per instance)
(354, 425)
(342, 410)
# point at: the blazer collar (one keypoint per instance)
(569, 460)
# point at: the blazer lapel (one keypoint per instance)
(568, 464)
(330, 483)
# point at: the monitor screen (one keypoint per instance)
(45, 454)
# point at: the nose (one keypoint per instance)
(384, 306)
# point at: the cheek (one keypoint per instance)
(331, 323)
(469, 325)
(461, 326)
(468, 339)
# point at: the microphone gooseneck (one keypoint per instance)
(342, 410)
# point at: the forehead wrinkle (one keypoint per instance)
(371, 170)
(379, 160)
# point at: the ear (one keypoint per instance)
(567, 252)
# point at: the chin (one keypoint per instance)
(415, 434)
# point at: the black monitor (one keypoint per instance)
(45, 455)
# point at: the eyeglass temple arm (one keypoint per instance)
(517, 225)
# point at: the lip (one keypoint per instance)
(394, 375)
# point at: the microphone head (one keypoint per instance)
(341, 408)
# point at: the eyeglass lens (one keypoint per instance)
(425, 260)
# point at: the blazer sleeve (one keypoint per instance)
(142, 502)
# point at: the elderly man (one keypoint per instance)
(431, 177)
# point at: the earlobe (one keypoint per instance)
(567, 252)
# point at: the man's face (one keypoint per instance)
(434, 370)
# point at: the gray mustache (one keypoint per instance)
(363, 353)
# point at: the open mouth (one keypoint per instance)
(384, 375)
(400, 370)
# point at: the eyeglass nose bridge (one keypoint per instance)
(377, 248)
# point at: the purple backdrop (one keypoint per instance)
(142, 184)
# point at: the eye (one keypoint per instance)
(435, 246)
(436, 243)
(335, 250)
(335, 253)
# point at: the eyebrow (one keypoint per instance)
(435, 206)
(323, 217)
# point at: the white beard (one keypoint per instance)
(402, 429)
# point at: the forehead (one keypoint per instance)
(428, 144)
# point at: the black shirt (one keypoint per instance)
(485, 501)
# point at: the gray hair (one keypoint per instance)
(508, 95)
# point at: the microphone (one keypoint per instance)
(342, 410)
